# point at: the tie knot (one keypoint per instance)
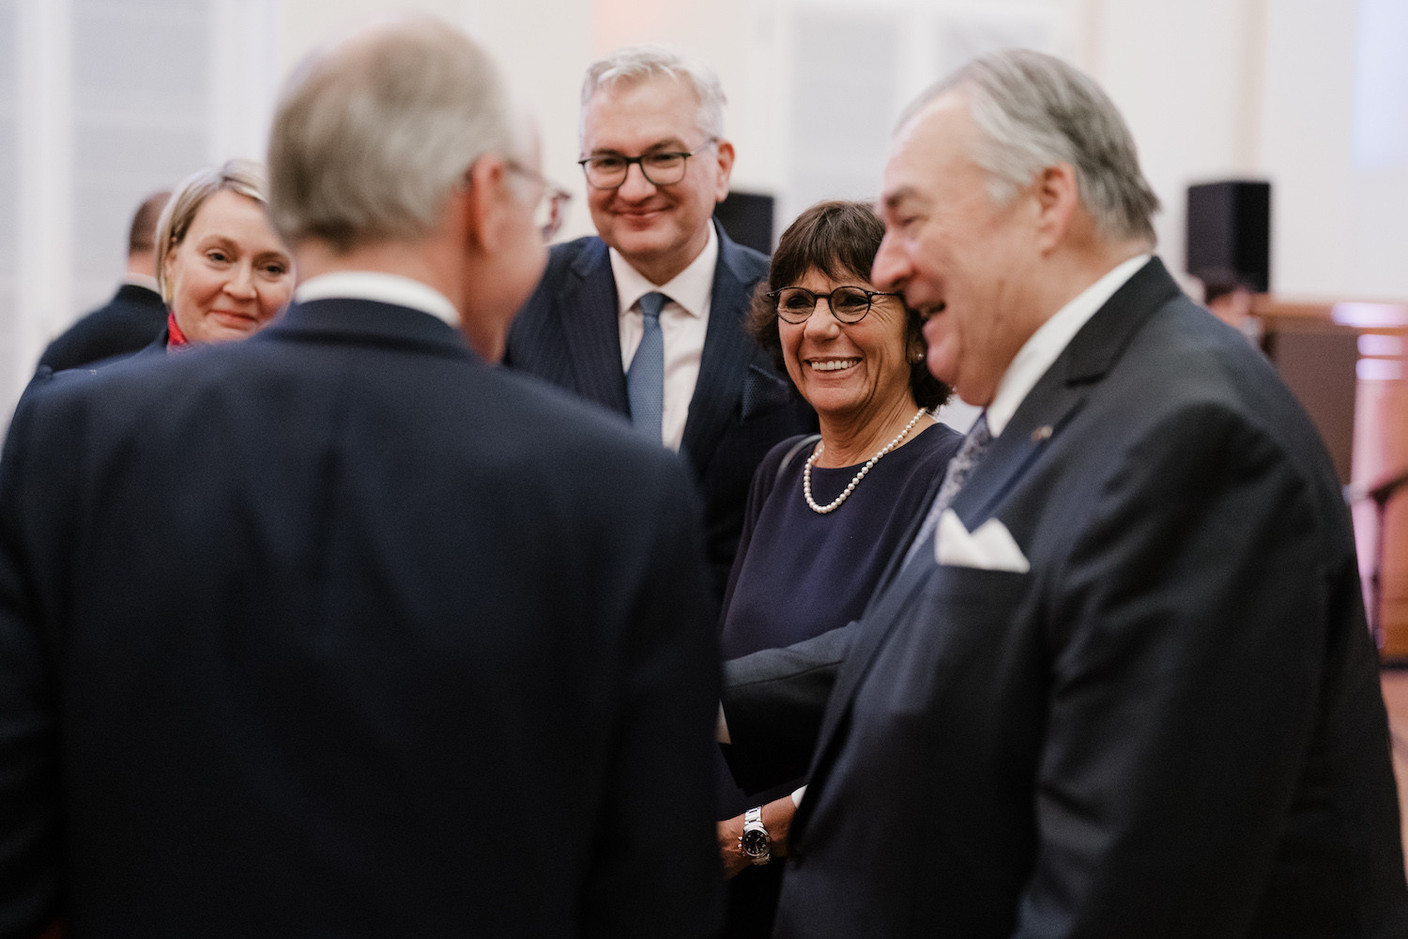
(652, 303)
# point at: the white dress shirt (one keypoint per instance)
(684, 321)
(1050, 340)
(383, 288)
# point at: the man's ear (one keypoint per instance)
(725, 164)
(480, 203)
(1058, 196)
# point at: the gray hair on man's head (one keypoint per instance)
(631, 64)
(1034, 111)
(244, 177)
(373, 133)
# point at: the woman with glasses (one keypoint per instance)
(825, 513)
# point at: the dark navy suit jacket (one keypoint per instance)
(125, 324)
(568, 334)
(1169, 726)
(341, 631)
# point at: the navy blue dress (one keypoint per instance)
(799, 574)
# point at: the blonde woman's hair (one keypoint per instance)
(245, 177)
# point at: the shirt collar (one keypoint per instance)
(1050, 340)
(380, 287)
(691, 288)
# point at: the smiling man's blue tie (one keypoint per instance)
(645, 379)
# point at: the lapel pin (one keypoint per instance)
(1041, 433)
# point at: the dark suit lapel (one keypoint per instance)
(588, 306)
(1056, 397)
(728, 351)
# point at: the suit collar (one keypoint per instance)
(728, 355)
(1060, 392)
(138, 293)
(1099, 344)
(1047, 343)
(354, 321)
(690, 289)
(588, 311)
(1056, 397)
(594, 256)
(590, 325)
(394, 289)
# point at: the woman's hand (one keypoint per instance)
(777, 819)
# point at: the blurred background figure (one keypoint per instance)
(133, 317)
(825, 512)
(1231, 302)
(220, 266)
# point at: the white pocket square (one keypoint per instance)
(989, 548)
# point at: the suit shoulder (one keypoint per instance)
(544, 299)
(584, 447)
(121, 326)
(561, 257)
(1207, 390)
(748, 264)
(559, 412)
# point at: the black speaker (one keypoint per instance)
(747, 218)
(1229, 234)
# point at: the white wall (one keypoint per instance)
(1339, 214)
(1175, 70)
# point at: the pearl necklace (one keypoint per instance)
(807, 468)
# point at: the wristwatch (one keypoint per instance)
(754, 842)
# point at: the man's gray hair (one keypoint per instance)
(631, 64)
(1034, 111)
(372, 133)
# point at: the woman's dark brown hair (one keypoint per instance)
(840, 240)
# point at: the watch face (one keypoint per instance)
(755, 843)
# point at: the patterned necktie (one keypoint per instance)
(959, 469)
(645, 379)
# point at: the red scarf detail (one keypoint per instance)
(175, 339)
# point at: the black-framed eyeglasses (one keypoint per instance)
(550, 211)
(660, 167)
(848, 304)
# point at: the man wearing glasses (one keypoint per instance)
(646, 318)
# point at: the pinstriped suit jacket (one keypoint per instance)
(567, 334)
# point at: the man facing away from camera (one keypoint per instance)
(342, 630)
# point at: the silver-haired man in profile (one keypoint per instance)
(1120, 685)
(343, 631)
